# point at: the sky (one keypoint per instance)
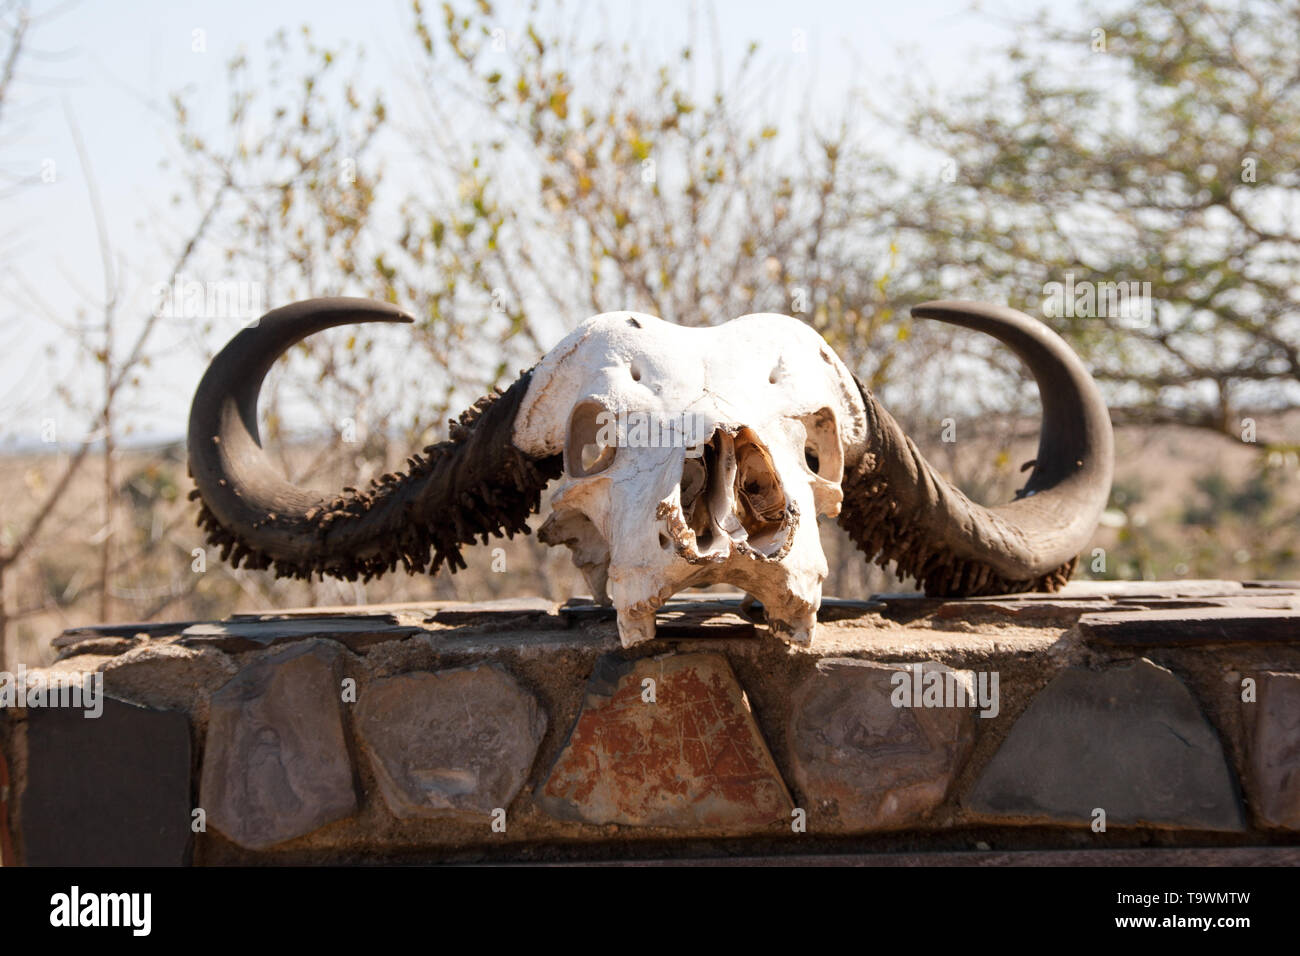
(107, 70)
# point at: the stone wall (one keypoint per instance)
(1113, 716)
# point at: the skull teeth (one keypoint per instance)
(635, 628)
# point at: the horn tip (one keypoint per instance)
(939, 307)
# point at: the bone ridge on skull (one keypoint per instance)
(694, 456)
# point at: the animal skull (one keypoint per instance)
(694, 456)
(686, 456)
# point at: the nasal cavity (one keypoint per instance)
(753, 508)
(760, 496)
(695, 506)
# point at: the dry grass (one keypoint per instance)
(1248, 531)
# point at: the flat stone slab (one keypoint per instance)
(75, 635)
(846, 609)
(1273, 764)
(1046, 611)
(708, 617)
(1260, 598)
(906, 608)
(1152, 608)
(102, 646)
(861, 762)
(1195, 626)
(107, 791)
(691, 758)
(1130, 740)
(460, 741)
(389, 610)
(584, 611)
(680, 619)
(1189, 587)
(276, 763)
(494, 612)
(357, 632)
(702, 620)
(110, 639)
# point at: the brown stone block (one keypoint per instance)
(863, 763)
(1273, 764)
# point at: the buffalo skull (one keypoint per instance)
(685, 456)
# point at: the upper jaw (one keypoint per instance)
(720, 543)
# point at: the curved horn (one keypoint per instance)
(899, 508)
(476, 484)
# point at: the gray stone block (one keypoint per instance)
(1130, 740)
(455, 742)
(276, 763)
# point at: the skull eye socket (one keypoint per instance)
(591, 444)
(596, 458)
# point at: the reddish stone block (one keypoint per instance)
(681, 752)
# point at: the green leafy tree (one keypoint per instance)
(1158, 144)
(572, 176)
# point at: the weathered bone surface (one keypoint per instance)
(764, 412)
(687, 456)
